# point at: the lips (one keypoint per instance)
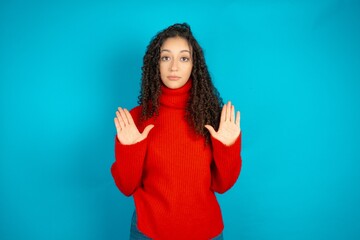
(173, 78)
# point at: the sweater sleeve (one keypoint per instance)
(128, 166)
(226, 165)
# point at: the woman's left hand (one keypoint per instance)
(229, 128)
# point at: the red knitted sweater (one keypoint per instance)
(173, 175)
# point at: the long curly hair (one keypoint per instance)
(204, 105)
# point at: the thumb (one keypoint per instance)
(211, 130)
(147, 130)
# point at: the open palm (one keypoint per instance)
(127, 132)
(229, 127)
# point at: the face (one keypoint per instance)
(175, 62)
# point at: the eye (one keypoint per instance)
(184, 59)
(165, 58)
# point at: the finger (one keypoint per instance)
(228, 111)
(232, 114)
(211, 130)
(120, 120)
(145, 133)
(128, 116)
(237, 121)
(147, 130)
(223, 114)
(117, 125)
(123, 115)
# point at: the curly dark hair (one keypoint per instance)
(204, 105)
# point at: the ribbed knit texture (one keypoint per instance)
(173, 174)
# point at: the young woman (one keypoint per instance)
(179, 146)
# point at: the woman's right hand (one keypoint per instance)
(127, 132)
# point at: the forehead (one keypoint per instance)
(175, 44)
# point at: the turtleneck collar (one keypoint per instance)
(175, 98)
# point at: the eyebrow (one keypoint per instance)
(166, 50)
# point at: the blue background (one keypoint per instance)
(291, 67)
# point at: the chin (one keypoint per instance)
(174, 85)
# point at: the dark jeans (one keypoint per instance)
(135, 234)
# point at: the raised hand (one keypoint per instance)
(127, 132)
(229, 128)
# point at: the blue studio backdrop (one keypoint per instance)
(291, 67)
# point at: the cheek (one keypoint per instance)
(162, 68)
(190, 69)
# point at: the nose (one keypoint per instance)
(174, 66)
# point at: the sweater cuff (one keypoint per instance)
(133, 153)
(221, 149)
